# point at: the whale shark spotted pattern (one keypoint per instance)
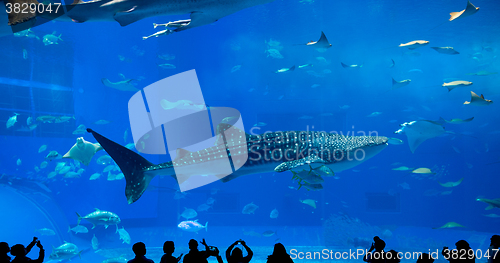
(275, 151)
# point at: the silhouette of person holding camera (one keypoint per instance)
(20, 252)
(494, 253)
(168, 249)
(196, 256)
(376, 256)
(236, 255)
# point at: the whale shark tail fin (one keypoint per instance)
(137, 170)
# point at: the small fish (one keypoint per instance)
(305, 117)
(309, 202)
(482, 73)
(102, 122)
(274, 53)
(306, 65)
(192, 226)
(235, 68)
(125, 135)
(42, 148)
(65, 169)
(51, 175)
(203, 207)
(94, 176)
(51, 39)
(95, 243)
(18, 162)
(210, 201)
(228, 119)
(402, 168)
(315, 86)
(415, 70)
(344, 107)
(71, 175)
(53, 155)
(81, 129)
(268, 233)
(414, 44)
(285, 69)
(446, 50)
(374, 114)
(189, 213)
(395, 141)
(12, 120)
(25, 54)
(249, 209)
(404, 185)
(274, 214)
(350, 66)
(105, 160)
(124, 235)
(492, 215)
(43, 165)
(46, 232)
(78, 229)
(166, 56)
(260, 124)
(167, 66)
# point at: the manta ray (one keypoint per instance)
(126, 12)
(478, 100)
(399, 84)
(449, 225)
(457, 83)
(420, 131)
(83, 151)
(470, 9)
(123, 85)
(269, 152)
(446, 50)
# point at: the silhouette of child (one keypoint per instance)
(459, 255)
(20, 252)
(237, 255)
(139, 249)
(279, 255)
(168, 249)
(425, 258)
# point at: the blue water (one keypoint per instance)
(65, 79)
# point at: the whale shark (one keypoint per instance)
(269, 152)
(125, 12)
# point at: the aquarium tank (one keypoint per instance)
(325, 126)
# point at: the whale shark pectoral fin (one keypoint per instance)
(128, 17)
(286, 166)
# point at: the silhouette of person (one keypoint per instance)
(376, 256)
(4, 249)
(237, 255)
(139, 249)
(279, 255)
(425, 258)
(168, 249)
(494, 253)
(462, 254)
(194, 255)
(392, 257)
(20, 252)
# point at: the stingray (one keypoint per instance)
(452, 184)
(350, 66)
(124, 85)
(457, 83)
(322, 44)
(420, 131)
(449, 225)
(422, 171)
(400, 84)
(469, 10)
(478, 100)
(83, 151)
(414, 44)
(446, 50)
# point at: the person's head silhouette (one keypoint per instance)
(237, 255)
(462, 244)
(495, 241)
(193, 244)
(279, 249)
(139, 249)
(18, 250)
(4, 248)
(168, 247)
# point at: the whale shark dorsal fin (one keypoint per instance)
(292, 68)
(181, 153)
(230, 137)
